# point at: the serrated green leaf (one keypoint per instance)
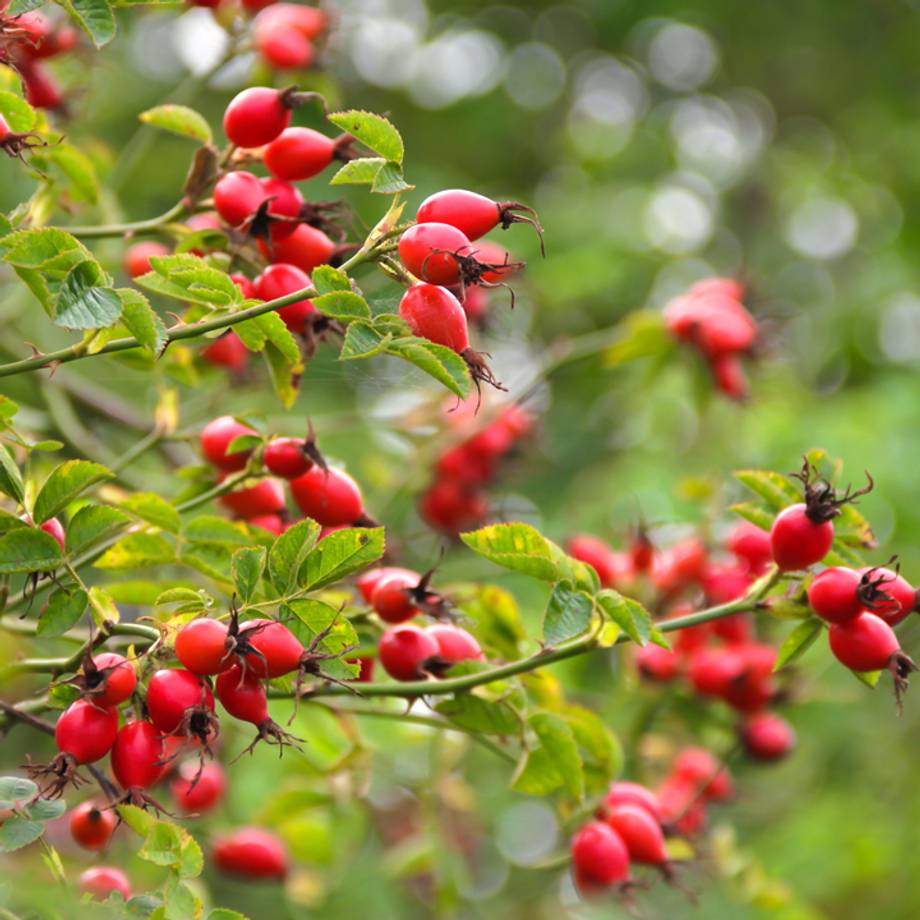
(600, 746)
(326, 279)
(28, 549)
(103, 606)
(62, 612)
(628, 614)
(85, 301)
(312, 617)
(64, 484)
(554, 762)
(138, 550)
(17, 832)
(92, 524)
(773, 488)
(389, 180)
(342, 305)
(360, 171)
(446, 366)
(756, 514)
(154, 510)
(516, 546)
(568, 613)
(140, 821)
(78, 171)
(46, 810)
(44, 249)
(208, 528)
(246, 567)
(141, 320)
(288, 552)
(374, 131)
(471, 712)
(362, 341)
(10, 477)
(798, 642)
(285, 375)
(19, 115)
(15, 790)
(339, 554)
(178, 119)
(95, 18)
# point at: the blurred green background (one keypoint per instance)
(661, 142)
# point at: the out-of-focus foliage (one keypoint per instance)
(661, 143)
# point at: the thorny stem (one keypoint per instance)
(176, 333)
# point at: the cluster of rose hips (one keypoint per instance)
(861, 605)
(26, 42)
(711, 317)
(326, 494)
(720, 659)
(439, 251)
(632, 822)
(409, 652)
(457, 499)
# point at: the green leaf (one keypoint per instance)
(568, 613)
(15, 790)
(628, 614)
(17, 832)
(10, 477)
(103, 606)
(188, 277)
(46, 810)
(85, 301)
(285, 375)
(45, 249)
(247, 566)
(163, 844)
(518, 547)
(362, 340)
(19, 115)
(178, 119)
(271, 325)
(288, 553)
(137, 550)
(554, 763)
(360, 171)
(600, 746)
(339, 554)
(312, 617)
(496, 620)
(389, 180)
(141, 320)
(798, 642)
(64, 484)
(754, 513)
(223, 913)
(869, 678)
(62, 612)
(326, 279)
(342, 305)
(373, 131)
(445, 365)
(773, 488)
(154, 510)
(92, 524)
(642, 335)
(208, 528)
(471, 712)
(77, 169)
(28, 549)
(140, 821)
(94, 17)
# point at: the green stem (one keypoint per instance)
(570, 649)
(135, 228)
(176, 334)
(431, 722)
